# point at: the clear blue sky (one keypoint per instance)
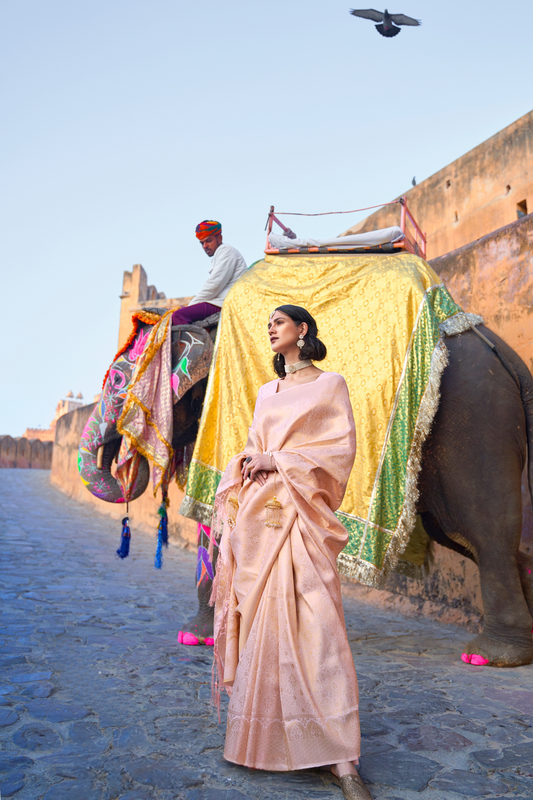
(124, 123)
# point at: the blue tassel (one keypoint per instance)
(124, 549)
(162, 534)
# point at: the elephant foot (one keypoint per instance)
(474, 659)
(198, 630)
(486, 651)
(192, 640)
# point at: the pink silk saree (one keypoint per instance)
(281, 648)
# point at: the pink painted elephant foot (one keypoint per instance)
(192, 640)
(487, 651)
(474, 659)
(199, 629)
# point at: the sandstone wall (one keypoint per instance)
(483, 190)
(493, 276)
(451, 592)
(142, 512)
(22, 453)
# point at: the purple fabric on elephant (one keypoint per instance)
(188, 314)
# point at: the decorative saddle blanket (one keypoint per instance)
(379, 317)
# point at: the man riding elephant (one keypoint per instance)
(228, 266)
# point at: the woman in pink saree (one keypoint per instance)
(281, 648)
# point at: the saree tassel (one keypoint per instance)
(162, 533)
(232, 508)
(274, 511)
(124, 549)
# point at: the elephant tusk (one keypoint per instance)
(99, 457)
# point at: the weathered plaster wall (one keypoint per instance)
(142, 512)
(493, 276)
(473, 196)
(22, 453)
(451, 593)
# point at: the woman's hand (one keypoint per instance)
(257, 467)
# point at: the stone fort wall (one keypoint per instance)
(487, 188)
(22, 453)
(137, 294)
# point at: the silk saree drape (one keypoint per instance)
(280, 639)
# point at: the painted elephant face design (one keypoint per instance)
(192, 351)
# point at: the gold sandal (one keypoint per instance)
(353, 787)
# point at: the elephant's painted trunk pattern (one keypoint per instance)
(101, 431)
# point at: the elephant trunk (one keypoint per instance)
(96, 455)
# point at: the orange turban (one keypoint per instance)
(209, 227)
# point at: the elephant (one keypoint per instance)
(469, 483)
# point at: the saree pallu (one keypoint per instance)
(281, 647)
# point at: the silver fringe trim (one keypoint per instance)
(195, 509)
(460, 323)
(364, 571)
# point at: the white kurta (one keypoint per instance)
(228, 266)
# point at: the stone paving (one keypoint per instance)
(99, 702)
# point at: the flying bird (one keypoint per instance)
(386, 28)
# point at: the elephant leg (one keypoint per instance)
(199, 629)
(483, 519)
(491, 532)
(525, 569)
(506, 637)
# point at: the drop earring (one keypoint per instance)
(300, 341)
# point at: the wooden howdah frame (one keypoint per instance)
(414, 240)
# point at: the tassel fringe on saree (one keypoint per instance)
(281, 648)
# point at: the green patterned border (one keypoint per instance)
(202, 482)
(364, 556)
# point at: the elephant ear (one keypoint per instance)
(192, 352)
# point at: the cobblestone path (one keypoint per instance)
(98, 702)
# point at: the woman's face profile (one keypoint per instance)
(283, 332)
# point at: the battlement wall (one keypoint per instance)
(485, 189)
(23, 453)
